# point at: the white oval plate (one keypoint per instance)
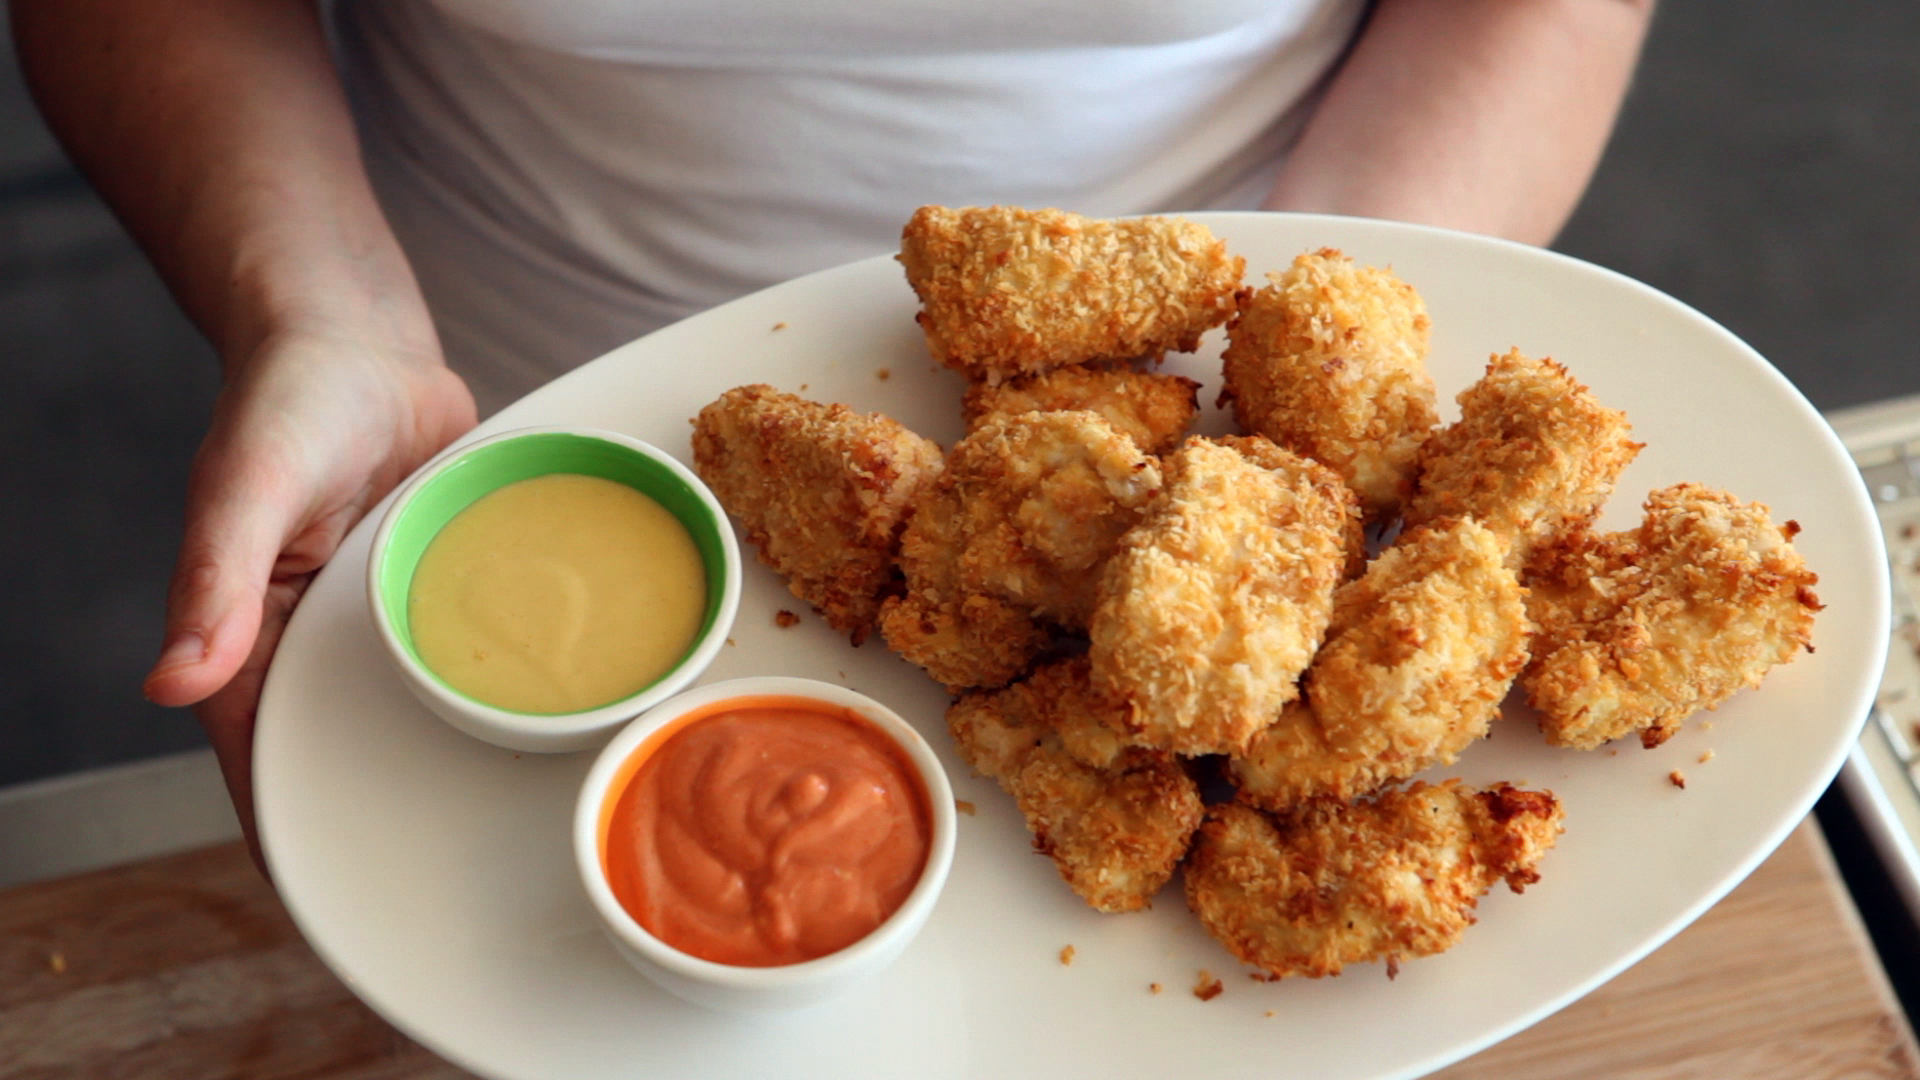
(434, 874)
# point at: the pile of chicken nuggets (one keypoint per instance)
(1304, 615)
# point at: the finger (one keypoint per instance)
(229, 714)
(236, 525)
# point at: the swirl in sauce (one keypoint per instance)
(556, 594)
(767, 831)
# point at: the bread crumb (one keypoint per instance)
(778, 327)
(1066, 956)
(1706, 725)
(1208, 986)
(965, 807)
(1154, 988)
(784, 618)
(883, 374)
(1269, 1014)
(1677, 779)
(1613, 753)
(730, 641)
(1706, 756)
(57, 963)
(803, 388)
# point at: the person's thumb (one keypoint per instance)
(233, 538)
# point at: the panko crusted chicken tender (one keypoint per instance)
(1418, 656)
(1115, 819)
(1329, 360)
(1639, 629)
(1018, 527)
(1152, 409)
(1006, 291)
(1268, 455)
(1216, 602)
(1334, 883)
(822, 492)
(1532, 455)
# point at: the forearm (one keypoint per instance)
(1483, 115)
(218, 131)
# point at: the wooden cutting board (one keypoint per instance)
(187, 968)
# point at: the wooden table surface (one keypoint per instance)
(187, 968)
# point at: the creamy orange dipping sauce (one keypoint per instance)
(557, 594)
(767, 831)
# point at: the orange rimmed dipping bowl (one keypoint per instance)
(662, 932)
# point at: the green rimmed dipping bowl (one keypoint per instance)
(450, 484)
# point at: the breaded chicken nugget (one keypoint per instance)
(961, 636)
(1333, 883)
(1532, 455)
(1151, 409)
(1045, 498)
(1642, 628)
(1116, 820)
(968, 640)
(1016, 529)
(1217, 600)
(1006, 291)
(821, 491)
(1329, 360)
(1419, 654)
(1267, 454)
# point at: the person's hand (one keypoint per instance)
(307, 436)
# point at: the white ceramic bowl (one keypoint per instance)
(463, 474)
(733, 988)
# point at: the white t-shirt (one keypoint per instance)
(568, 174)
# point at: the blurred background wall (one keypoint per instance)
(1766, 171)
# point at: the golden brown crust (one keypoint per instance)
(1216, 602)
(1329, 360)
(1116, 820)
(962, 639)
(961, 636)
(1045, 499)
(1153, 410)
(1418, 656)
(1642, 628)
(1267, 454)
(1332, 883)
(1532, 455)
(1006, 291)
(820, 490)
(1016, 530)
